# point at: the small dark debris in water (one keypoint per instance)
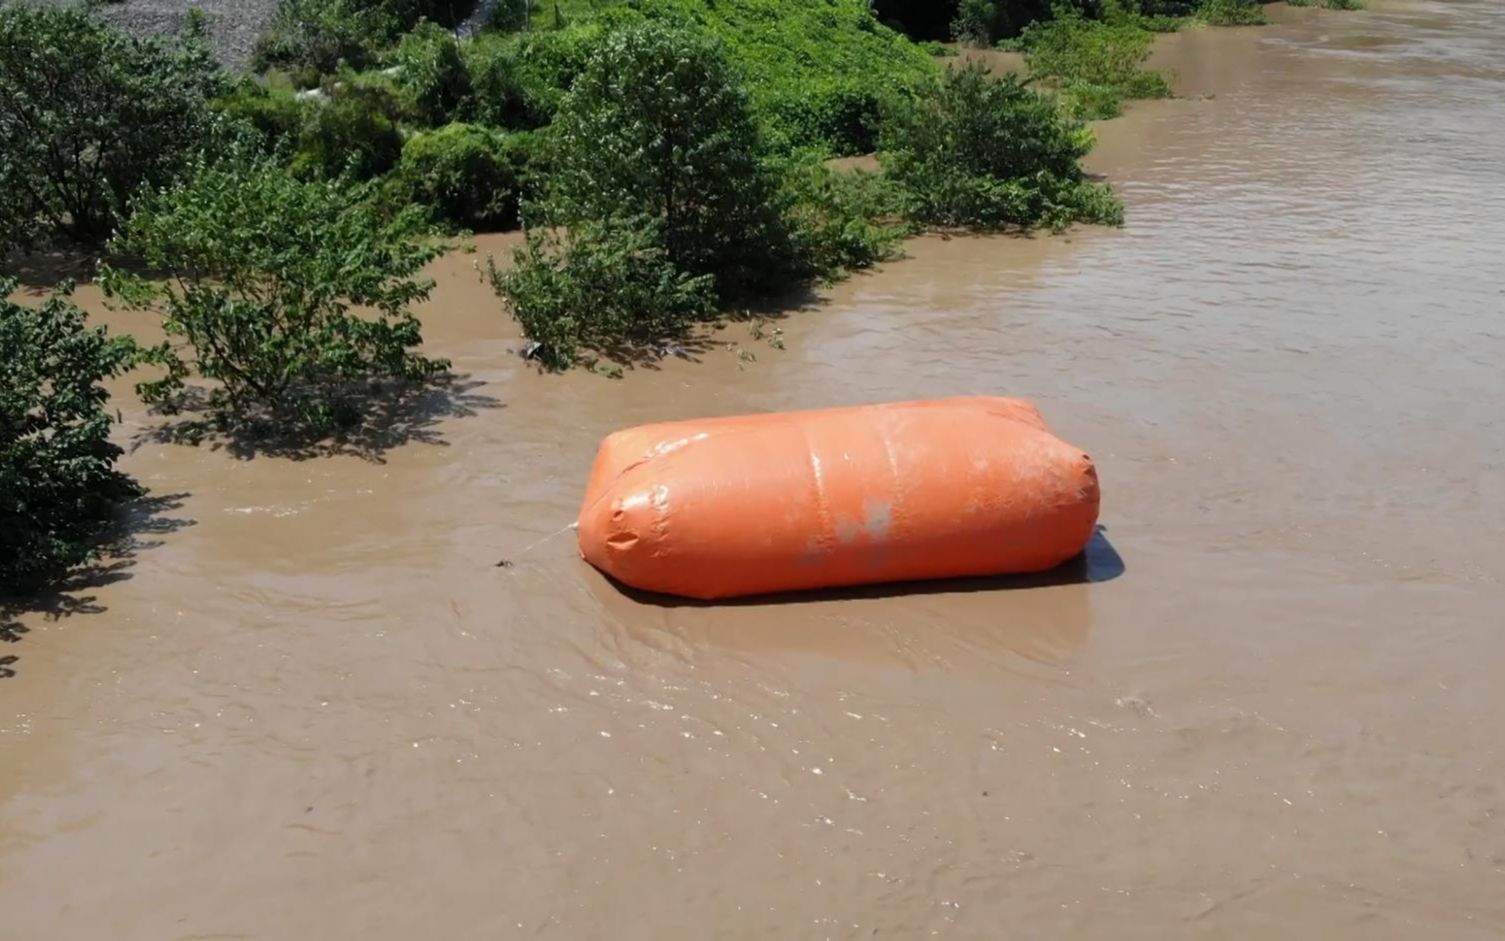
(984, 793)
(531, 350)
(309, 809)
(504, 564)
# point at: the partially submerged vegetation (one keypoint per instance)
(669, 159)
(58, 481)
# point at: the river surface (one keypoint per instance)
(309, 704)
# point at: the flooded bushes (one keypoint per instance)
(1329, 4)
(88, 115)
(659, 168)
(989, 153)
(1094, 64)
(58, 481)
(1231, 13)
(818, 72)
(263, 273)
(602, 289)
(658, 127)
(465, 175)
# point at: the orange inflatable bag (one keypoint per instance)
(726, 507)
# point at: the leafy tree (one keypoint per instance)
(263, 273)
(658, 127)
(989, 153)
(87, 116)
(58, 481)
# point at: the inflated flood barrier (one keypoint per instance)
(757, 504)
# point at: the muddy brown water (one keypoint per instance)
(311, 706)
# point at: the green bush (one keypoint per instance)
(350, 130)
(314, 38)
(658, 127)
(433, 74)
(989, 153)
(264, 271)
(464, 175)
(842, 220)
(604, 289)
(273, 113)
(88, 115)
(975, 22)
(1231, 13)
(58, 482)
(520, 80)
(1095, 62)
(509, 16)
(818, 72)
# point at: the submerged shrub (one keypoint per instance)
(1096, 62)
(88, 115)
(58, 483)
(607, 289)
(842, 220)
(464, 175)
(264, 271)
(657, 127)
(1231, 13)
(819, 73)
(989, 153)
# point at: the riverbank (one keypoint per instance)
(315, 707)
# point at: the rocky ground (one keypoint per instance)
(233, 25)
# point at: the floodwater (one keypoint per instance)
(309, 704)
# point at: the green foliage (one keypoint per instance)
(509, 16)
(658, 127)
(603, 288)
(314, 38)
(1231, 13)
(842, 220)
(273, 113)
(88, 115)
(975, 22)
(1095, 63)
(520, 80)
(263, 273)
(819, 71)
(465, 175)
(989, 153)
(58, 482)
(353, 130)
(433, 74)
